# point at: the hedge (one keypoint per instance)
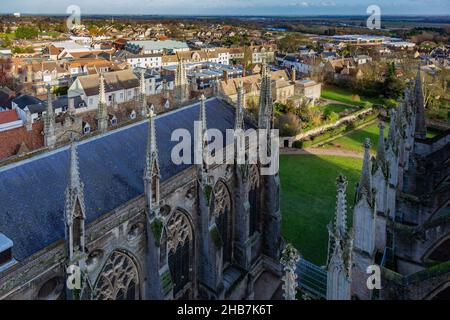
(345, 127)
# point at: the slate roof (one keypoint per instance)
(62, 102)
(114, 81)
(26, 100)
(111, 167)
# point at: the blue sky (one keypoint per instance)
(229, 7)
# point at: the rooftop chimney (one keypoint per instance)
(6, 258)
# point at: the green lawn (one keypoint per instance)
(308, 197)
(354, 140)
(337, 108)
(345, 96)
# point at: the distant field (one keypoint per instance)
(308, 198)
(354, 140)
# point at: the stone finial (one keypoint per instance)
(28, 120)
(419, 103)
(289, 260)
(365, 182)
(391, 139)
(142, 95)
(339, 248)
(102, 112)
(142, 82)
(102, 91)
(340, 223)
(71, 106)
(265, 100)
(49, 101)
(49, 122)
(239, 122)
(381, 150)
(74, 205)
(151, 170)
(202, 117)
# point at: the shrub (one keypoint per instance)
(288, 124)
(356, 98)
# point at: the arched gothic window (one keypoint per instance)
(222, 214)
(118, 280)
(254, 199)
(180, 247)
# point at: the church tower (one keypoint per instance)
(340, 244)
(49, 122)
(102, 110)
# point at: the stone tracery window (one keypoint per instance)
(221, 212)
(254, 199)
(178, 230)
(179, 236)
(119, 279)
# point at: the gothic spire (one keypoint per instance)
(102, 92)
(203, 138)
(74, 171)
(142, 82)
(265, 99)
(152, 149)
(74, 209)
(340, 223)
(381, 155)
(49, 122)
(49, 102)
(239, 122)
(142, 95)
(102, 112)
(392, 124)
(289, 259)
(151, 171)
(340, 243)
(419, 103)
(365, 182)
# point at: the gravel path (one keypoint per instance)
(321, 152)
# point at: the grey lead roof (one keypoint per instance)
(111, 167)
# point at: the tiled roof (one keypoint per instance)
(10, 141)
(229, 87)
(111, 168)
(8, 116)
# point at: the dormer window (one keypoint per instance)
(86, 128)
(113, 120)
(6, 257)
